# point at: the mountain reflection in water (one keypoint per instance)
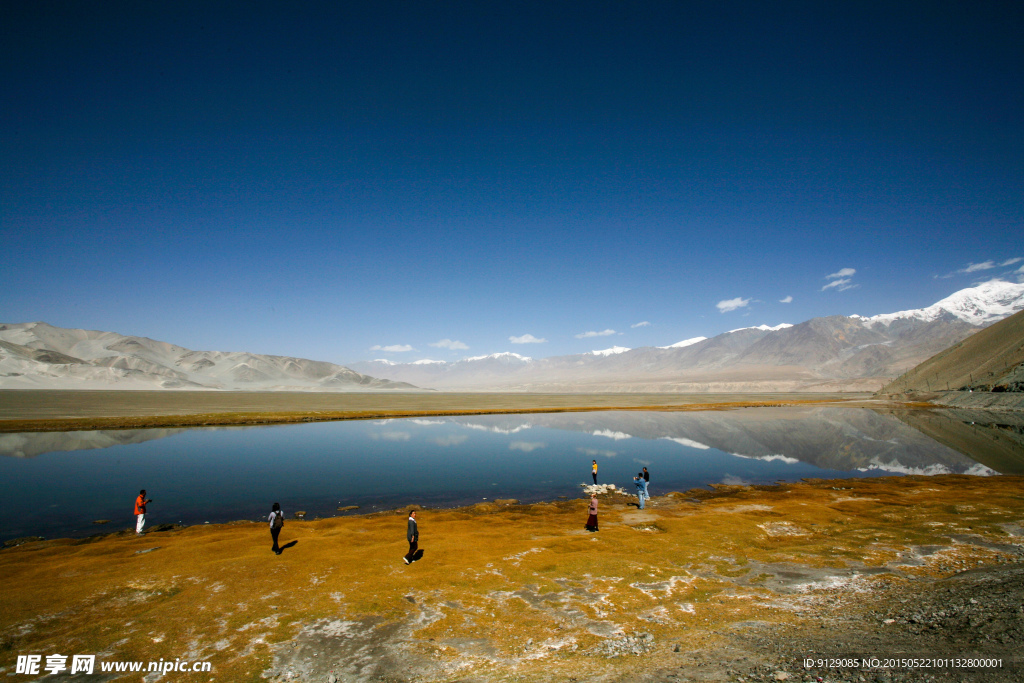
(60, 482)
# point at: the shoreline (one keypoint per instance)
(37, 410)
(710, 584)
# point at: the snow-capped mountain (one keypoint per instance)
(684, 343)
(980, 305)
(828, 354)
(764, 328)
(611, 351)
(822, 354)
(41, 356)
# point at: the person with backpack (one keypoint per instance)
(276, 520)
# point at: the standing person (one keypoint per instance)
(647, 484)
(276, 520)
(140, 512)
(412, 534)
(593, 470)
(641, 488)
(592, 519)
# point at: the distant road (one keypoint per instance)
(32, 410)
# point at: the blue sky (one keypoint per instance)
(330, 180)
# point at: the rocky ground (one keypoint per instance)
(891, 579)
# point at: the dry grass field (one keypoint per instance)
(70, 410)
(738, 582)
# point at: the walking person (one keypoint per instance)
(140, 512)
(276, 521)
(641, 488)
(593, 470)
(592, 519)
(412, 534)
(647, 484)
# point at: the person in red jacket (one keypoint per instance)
(140, 511)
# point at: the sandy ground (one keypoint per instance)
(64, 410)
(893, 579)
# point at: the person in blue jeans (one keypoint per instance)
(641, 488)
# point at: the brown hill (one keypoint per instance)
(990, 360)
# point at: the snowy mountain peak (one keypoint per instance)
(427, 361)
(611, 351)
(763, 328)
(506, 355)
(684, 343)
(981, 305)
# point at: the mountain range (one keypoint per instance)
(849, 353)
(41, 356)
(835, 353)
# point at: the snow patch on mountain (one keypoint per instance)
(981, 305)
(506, 355)
(684, 343)
(763, 328)
(611, 351)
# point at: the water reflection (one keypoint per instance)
(995, 439)
(56, 484)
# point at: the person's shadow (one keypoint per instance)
(288, 545)
(418, 555)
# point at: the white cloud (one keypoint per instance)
(450, 344)
(525, 446)
(390, 436)
(841, 280)
(394, 348)
(687, 442)
(842, 285)
(526, 339)
(975, 267)
(594, 452)
(603, 333)
(453, 440)
(844, 272)
(731, 304)
(618, 436)
(642, 324)
(984, 265)
(787, 300)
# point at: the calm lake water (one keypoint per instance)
(56, 484)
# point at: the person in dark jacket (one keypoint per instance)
(412, 534)
(592, 519)
(276, 520)
(647, 484)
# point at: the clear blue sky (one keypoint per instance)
(320, 179)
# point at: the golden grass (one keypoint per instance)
(525, 583)
(265, 418)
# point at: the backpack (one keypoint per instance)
(278, 520)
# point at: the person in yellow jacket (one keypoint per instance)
(593, 470)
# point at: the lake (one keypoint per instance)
(55, 484)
